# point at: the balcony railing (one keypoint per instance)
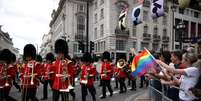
(156, 37)
(165, 39)
(121, 33)
(146, 36)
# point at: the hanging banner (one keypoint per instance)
(157, 9)
(136, 15)
(122, 19)
(184, 3)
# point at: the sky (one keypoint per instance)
(26, 21)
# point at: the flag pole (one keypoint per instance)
(154, 58)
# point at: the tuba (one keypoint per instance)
(121, 63)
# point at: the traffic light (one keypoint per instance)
(81, 46)
(91, 46)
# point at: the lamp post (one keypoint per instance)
(173, 8)
(180, 26)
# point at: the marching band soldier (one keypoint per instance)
(133, 79)
(30, 74)
(106, 74)
(13, 59)
(88, 73)
(116, 77)
(121, 72)
(72, 74)
(47, 76)
(7, 75)
(60, 67)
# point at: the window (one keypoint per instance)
(134, 45)
(104, 46)
(80, 25)
(75, 48)
(95, 17)
(95, 33)
(155, 30)
(81, 8)
(165, 20)
(146, 29)
(120, 45)
(134, 30)
(155, 47)
(145, 15)
(95, 5)
(102, 30)
(196, 14)
(102, 14)
(181, 11)
(155, 20)
(101, 2)
(96, 47)
(146, 45)
(164, 32)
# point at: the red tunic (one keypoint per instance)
(31, 73)
(106, 70)
(48, 71)
(7, 75)
(87, 74)
(60, 75)
(121, 73)
(72, 72)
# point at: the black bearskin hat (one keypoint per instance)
(67, 56)
(13, 57)
(5, 56)
(86, 57)
(29, 50)
(106, 55)
(61, 46)
(50, 57)
(39, 58)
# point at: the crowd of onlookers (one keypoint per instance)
(177, 75)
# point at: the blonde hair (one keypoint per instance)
(190, 56)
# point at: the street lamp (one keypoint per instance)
(180, 26)
(173, 8)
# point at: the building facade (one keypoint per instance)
(191, 33)
(6, 42)
(69, 22)
(46, 45)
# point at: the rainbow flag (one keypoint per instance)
(141, 63)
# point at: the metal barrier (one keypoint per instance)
(156, 95)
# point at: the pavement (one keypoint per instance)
(138, 95)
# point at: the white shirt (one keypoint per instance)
(188, 80)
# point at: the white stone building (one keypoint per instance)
(69, 22)
(46, 45)
(6, 42)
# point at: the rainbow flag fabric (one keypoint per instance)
(141, 63)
